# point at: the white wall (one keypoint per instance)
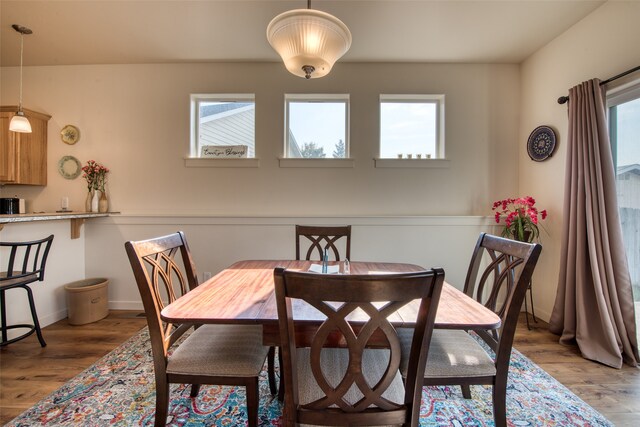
(135, 120)
(65, 264)
(602, 45)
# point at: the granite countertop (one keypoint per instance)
(50, 216)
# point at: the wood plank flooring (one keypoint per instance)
(28, 372)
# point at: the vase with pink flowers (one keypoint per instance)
(96, 176)
(521, 218)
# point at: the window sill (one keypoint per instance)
(412, 163)
(196, 162)
(316, 163)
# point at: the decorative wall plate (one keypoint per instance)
(70, 134)
(541, 143)
(69, 167)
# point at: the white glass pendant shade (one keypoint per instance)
(19, 123)
(307, 38)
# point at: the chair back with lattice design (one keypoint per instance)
(358, 311)
(162, 277)
(320, 238)
(498, 277)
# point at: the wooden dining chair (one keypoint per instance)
(498, 277)
(25, 264)
(320, 238)
(359, 383)
(211, 354)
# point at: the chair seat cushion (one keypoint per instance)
(16, 278)
(220, 350)
(334, 362)
(452, 353)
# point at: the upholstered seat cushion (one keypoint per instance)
(220, 350)
(6, 282)
(452, 353)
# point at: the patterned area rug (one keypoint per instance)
(119, 391)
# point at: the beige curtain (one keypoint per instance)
(594, 304)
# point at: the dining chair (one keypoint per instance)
(358, 383)
(25, 264)
(211, 354)
(319, 238)
(498, 276)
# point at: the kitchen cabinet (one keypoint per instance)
(23, 156)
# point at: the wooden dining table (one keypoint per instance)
(243, 293)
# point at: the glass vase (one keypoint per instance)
(87, 202)
(103, 203)
(95, 201)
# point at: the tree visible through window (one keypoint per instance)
(317, 126)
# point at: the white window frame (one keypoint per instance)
(194, 159)
(316, 162)
(439, 160)
(628, 89)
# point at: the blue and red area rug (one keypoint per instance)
(119, 391)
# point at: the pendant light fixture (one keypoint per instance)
(309, 41)
(19, 123)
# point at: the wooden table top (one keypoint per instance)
(244, 293)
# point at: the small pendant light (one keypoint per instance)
(19, 123)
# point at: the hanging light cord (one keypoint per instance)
(21, 50)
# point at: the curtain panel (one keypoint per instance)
(594, 303)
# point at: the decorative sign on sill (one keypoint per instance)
(223, 151)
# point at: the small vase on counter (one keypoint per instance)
(103, 203)
(95, 201)
(87, 202)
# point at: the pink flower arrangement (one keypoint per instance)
(520, 218)
(96, 175)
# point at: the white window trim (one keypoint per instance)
(319, 97)
(437, 99)
(194, 160)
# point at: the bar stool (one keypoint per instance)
(26, 262)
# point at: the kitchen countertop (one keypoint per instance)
(77, 218)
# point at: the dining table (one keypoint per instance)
(244, 293)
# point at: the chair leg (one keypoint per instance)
(466, 391)
(162, 402)
(195, 389)
(271, 372)
(500, 404)
(281, 388)
(34, 315)
(253, 401)
(3, 317)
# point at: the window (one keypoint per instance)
(223, 126)
(624, 130)
(412, 126)
(317, 126)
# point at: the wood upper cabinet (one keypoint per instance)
(23, 156)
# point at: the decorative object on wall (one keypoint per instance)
(541, 143)
(309, 41)
(69, 167)
(96, 176)
(70, 134)
(19, 123)
(520, 218)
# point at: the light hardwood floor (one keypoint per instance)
(28, 372)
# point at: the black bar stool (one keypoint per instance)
(26, 262)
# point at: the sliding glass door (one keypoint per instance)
(624, 128)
